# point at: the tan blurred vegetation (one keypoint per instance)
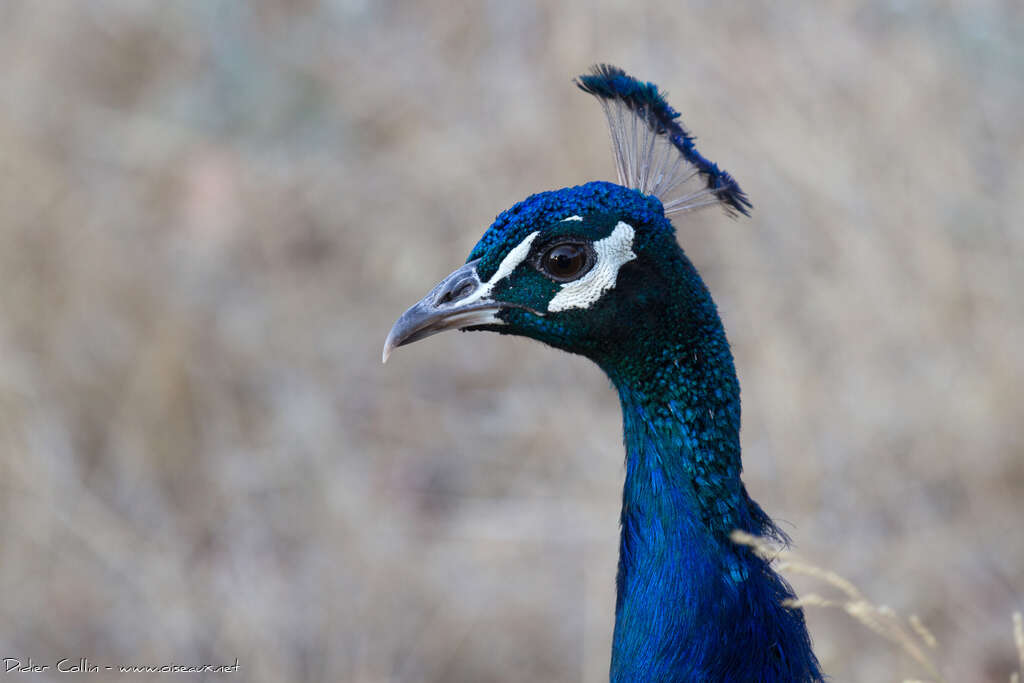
(211, 212)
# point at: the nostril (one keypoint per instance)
(459, 291)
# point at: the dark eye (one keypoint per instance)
(565, 261)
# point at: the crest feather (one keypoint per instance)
(653, 152)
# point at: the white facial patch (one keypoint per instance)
(512, 259)
(571, 218)
(612, 253)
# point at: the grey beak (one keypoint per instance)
(458, 301)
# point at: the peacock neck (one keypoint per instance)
(692, 606)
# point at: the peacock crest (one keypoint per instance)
(653, 152)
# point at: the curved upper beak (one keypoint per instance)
(459, 301)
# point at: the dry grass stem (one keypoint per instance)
(1018, 640)
(927, 636)
(881, 619)
(910, 634)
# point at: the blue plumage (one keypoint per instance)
(596, 270)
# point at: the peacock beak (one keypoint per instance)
(459, 301)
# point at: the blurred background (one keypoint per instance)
(212, 212)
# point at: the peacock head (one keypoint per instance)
(593, 269)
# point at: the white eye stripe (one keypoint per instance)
(612, 253)
(571, 218)
(512, 259)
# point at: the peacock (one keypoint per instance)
(596, 270)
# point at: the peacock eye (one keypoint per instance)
(566, 261)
